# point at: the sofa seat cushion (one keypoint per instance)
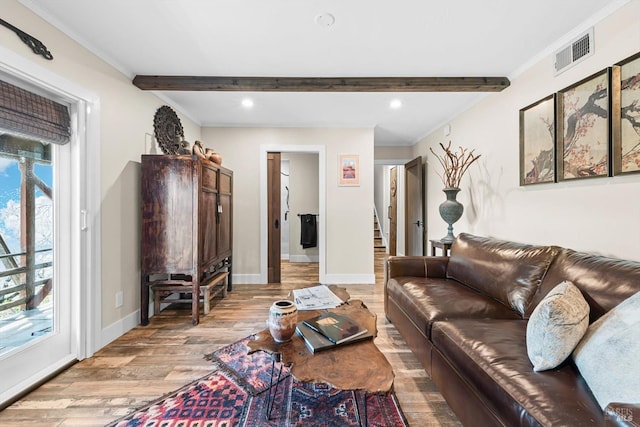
(426, 300)
(492, 357)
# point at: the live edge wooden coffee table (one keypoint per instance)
(357, 366)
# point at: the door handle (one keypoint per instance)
(419, 223)
(276, 223)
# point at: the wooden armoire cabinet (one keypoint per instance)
(186, 228)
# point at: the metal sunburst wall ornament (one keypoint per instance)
(168, 131)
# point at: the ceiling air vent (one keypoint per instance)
(574, 52)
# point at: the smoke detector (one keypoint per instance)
(325, 19)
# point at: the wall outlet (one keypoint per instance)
(119, 299)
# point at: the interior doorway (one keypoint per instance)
(389, 200)
(292, 195)
(301, 196)
(392, 215)
(414, 208)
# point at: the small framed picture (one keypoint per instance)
(538, 142)
(348, 170)
(625, 115)
(583, 128)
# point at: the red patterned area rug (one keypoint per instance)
(235, 393)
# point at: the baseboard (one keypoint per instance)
(304, 258)
(119, 328)
(246, 279)
(254, 279)
(346, 279)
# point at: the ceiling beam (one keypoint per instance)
(322, 84)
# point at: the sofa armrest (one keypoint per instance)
(622, 414)
(416, 266)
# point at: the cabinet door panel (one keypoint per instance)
(208, 227)
(209, 178)
(224, 230)
(167, 188)
(225, 182)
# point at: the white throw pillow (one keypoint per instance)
(608, 356)
(556, 326)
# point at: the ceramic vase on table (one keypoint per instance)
(450, 211)
(283, 316)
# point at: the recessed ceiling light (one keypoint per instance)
(395, 104)
(325, 19)
(247, 103)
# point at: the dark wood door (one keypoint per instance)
(393, 211)
(273, 217)
(414, 211)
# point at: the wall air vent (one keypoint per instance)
(576, 51)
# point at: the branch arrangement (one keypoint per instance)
(455, 164)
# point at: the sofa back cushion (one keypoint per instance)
(604, 282)
(506, 271)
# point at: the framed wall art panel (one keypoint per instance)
(625, 114)
(538, 142)
(583, 128)
(349, 170)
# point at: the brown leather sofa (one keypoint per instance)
(465, 318)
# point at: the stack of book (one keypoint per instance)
(330, 330)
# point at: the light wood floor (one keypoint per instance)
(147, 362)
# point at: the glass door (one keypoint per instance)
(27, 293)
(35, 258)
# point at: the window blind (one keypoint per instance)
(33, 116)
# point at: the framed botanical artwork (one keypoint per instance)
(348, 170)
(583, 128)
(625, 115)
(538, 142)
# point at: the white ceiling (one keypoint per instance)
(280, 38)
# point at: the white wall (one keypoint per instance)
(600, 215)
(126, 121)
(349, 252)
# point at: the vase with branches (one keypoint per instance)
(454, 165)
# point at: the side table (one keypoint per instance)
(446, 247)
(357, 366)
